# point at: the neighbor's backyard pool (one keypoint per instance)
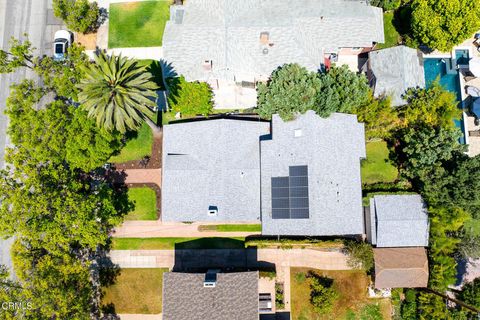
(448, 77)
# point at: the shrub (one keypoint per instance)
(322, 294)
(189, 98)
(267, 274)
(409, 305)
(360, 255)
(79, 15)
(300, 277)
(279, 296)
(386, 4)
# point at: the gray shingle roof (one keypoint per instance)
(400, 221)
(395, 70)
(235, 296)
(227, 32)
(332, 149)
(212, 163)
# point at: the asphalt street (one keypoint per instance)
(17, 18)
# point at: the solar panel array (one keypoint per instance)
(290, 194)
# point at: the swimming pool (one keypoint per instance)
(447, 73)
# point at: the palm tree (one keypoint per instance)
(118, 93)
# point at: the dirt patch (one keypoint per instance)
(89, 41)
(154, 162)
(130, 6)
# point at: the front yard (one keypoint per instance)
(377, 168)
(137, 24)
(136, 291)
(145, 201)
(352, 302)
(139, 144)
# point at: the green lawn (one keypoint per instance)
(136, 291)
(137, 24)
(138, 145)
(145, 201)
(231, 227)
(177, 243)
(377, 167)
(392, 37)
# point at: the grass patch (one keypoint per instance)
(377, 167)
(472, 227)
(139, 144)
(392, 37)
(286, 243)
(136, 291)
(231, 227)
(177, 243)
(137, 24)
(351, 286)
(145, 201)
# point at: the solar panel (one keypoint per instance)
(290, 194)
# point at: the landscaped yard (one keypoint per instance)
(392, 37)
(155, 68)
(145, 202)
(351, 286)
(136, 291)
(231, 227)
(139, 145)
(177, 243)
(377, 167)
(137, 24)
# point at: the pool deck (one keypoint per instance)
(473, 140)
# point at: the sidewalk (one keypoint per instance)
(153, 229)
(144, 176)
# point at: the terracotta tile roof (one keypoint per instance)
(401, 267)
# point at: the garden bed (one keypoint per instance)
(137, 24)
(136, 291)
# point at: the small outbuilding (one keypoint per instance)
(401, 268)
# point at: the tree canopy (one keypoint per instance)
(189, 98)
(379, 117)
(442, 24)
(79, 15)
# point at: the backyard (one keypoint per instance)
(137, 24)
(392, 37)
(138, 145)
(377, 168)
(136, 291)
(352, 302)
(145, 202)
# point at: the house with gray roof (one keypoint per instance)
(310, 175)
(398, 221)
(234, 44)
(392, 71)
(212, 296)
(211, 170)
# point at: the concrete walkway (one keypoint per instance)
(286, 258)
(144, 176)
(154, 229)
(140, 316)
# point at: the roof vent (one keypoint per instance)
(210, 278)
(207, 65)
(265, 51)
(212, 210)
(264, 37)
(179, 16)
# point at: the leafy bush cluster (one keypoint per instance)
(279, 296)
(189, 98)
(79, 15)
(293, 89)
(322, 293)
(386, 4)
(360, 255)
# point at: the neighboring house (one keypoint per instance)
(392, 71)
(234, 44)
(300, 177)
(401, 268)
(211, 295)
(398, 227)
(311, 182)
(398, 221)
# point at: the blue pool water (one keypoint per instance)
(448, 77)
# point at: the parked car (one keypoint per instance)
(63, 40)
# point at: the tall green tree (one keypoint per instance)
(434, 106)
(118, 93)
(442, 24)
(470, 293)
(190, 98)
(342, 91)
(79, 15)
(379, 117)
(292, 89)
